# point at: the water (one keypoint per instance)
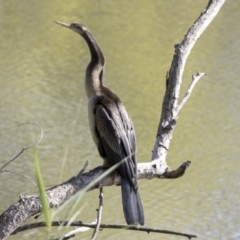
(41, 81)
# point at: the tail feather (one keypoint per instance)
(132, 205)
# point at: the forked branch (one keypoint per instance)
(170, 106)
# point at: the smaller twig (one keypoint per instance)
(99, 215)
(97, 222)
(178, 172)
(83, 169)
(109, 226)
(195, 79)
(41, 136)
(74, 232)
(20, 174)
(25, 148)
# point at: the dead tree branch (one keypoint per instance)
(29, 206)
(170, 106)
(72, 233)
(99, 215)
(24, 148)
(106, 226)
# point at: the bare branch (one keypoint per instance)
(102, 226)
(83, 169)
(195, 79)
(174, 79)
(97, 222)
(29, 206)
(178, 172)
(76, 231)
(20, 174)
(41, 136)
(25, 148)
(99, 216)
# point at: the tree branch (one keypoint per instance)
(24, 148)
(102, 226)
(195, 79)
(29, 206)
(70, 234)
(99, 215)
(170, 107)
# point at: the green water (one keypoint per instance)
(41, 81)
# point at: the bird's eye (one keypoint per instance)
(74, 25)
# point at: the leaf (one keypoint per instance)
(45, 208)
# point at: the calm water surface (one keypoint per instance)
(41, 81)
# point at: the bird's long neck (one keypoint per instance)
(94, 71)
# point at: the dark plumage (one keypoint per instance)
(111, 128)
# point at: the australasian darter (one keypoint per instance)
(111, 128)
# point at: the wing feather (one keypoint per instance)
(117, 139)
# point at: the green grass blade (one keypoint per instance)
(74, 200)
(45, 208)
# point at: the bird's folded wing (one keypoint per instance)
(116, 141)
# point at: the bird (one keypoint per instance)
(111, 127)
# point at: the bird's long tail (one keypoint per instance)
(132, 205)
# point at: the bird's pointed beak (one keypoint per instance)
(63, 24)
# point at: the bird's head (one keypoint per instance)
(76, 27)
